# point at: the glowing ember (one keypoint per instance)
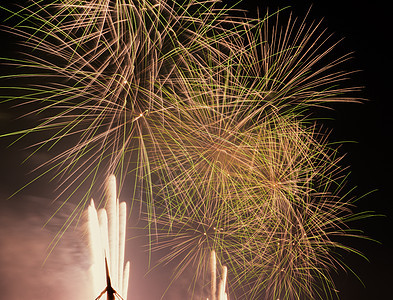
(107, 232)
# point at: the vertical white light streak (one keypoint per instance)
(221, 288)
(213, 275)
(126, 278)
(122, 241)
(98, 265)
(113, 225)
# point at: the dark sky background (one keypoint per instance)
(366, 30)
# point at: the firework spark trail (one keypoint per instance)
(273, 199)
(102, 242)
(113, 60)
(209, 112)
(213, 275)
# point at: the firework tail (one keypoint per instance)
(112, 208)
(97, 256)
(122, 239)
(213, 275)
(221, 287)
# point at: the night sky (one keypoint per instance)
(366, 129)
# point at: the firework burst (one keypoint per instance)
(247, 175)
(106, 64)
(209, 114)
(272, 219)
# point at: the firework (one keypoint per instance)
(272, 220)
(107, 243)
(209, 114)
(106, 65)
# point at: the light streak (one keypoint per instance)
(107, 232)
(221, 295)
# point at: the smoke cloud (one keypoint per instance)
(24, 272)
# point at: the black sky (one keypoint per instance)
(366, 30)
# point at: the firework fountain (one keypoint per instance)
(107, 232)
